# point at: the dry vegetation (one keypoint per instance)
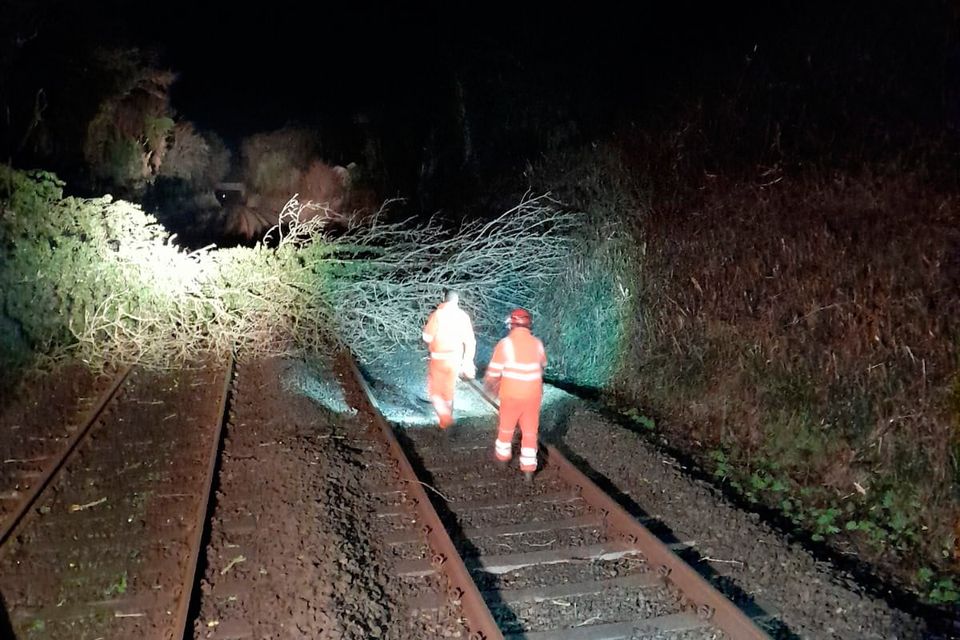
(798, 333)
(800, 336)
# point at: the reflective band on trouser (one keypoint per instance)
(528, 459)
(528, 377)
(441, 405)
(444, 355)
(529, 421)
(504, 449)
(441, 379)
(505, 434)
(444, 409)
(524, 366)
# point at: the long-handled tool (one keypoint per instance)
(476, 386)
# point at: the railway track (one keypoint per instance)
(31, 473)
(553, 559)
(301, 551)
(471, 551)
(404, 497)
(105, 542)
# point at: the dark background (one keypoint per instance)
(814, 76)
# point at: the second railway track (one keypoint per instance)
(105, 543)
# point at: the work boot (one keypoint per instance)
(528, 476)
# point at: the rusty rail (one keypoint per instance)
(196, 543)
(14, 520)
(711, 604)
(445, 559)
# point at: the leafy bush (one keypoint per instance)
(100, 279)
(200, 159)
(273, 161)
(126, 140)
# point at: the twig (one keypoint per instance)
(81, 507)
(545, 544)
(117, 614)
(231, 564)
(434, 490)
(797, 320)
(709, 559)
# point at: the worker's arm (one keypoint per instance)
(430, 329)
(543, 357)
(494, 372)
(468, 369)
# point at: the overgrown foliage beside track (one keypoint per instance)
(802, 338)
(798, 334)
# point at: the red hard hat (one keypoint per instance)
(520, 318)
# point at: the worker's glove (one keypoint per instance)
(468, 371)
(492, 386)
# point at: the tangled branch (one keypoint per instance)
(115, 289)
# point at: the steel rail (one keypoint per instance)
(190, 581)
(711, 604)
(15, 518)
(446, 559)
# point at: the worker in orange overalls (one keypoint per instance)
(515, 373)
(449, 337)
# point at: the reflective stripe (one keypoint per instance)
(524, 371)
(495, 365)
(427, 337)
(503, 447)
(508, 353)
(441, 406)
(531, 366)
(528, 456)
(528, 377)
(444, 355)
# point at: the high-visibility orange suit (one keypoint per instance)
(516, 372)
(449, 337)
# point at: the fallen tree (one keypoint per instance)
(100, 280)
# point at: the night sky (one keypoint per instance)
(600, 65)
